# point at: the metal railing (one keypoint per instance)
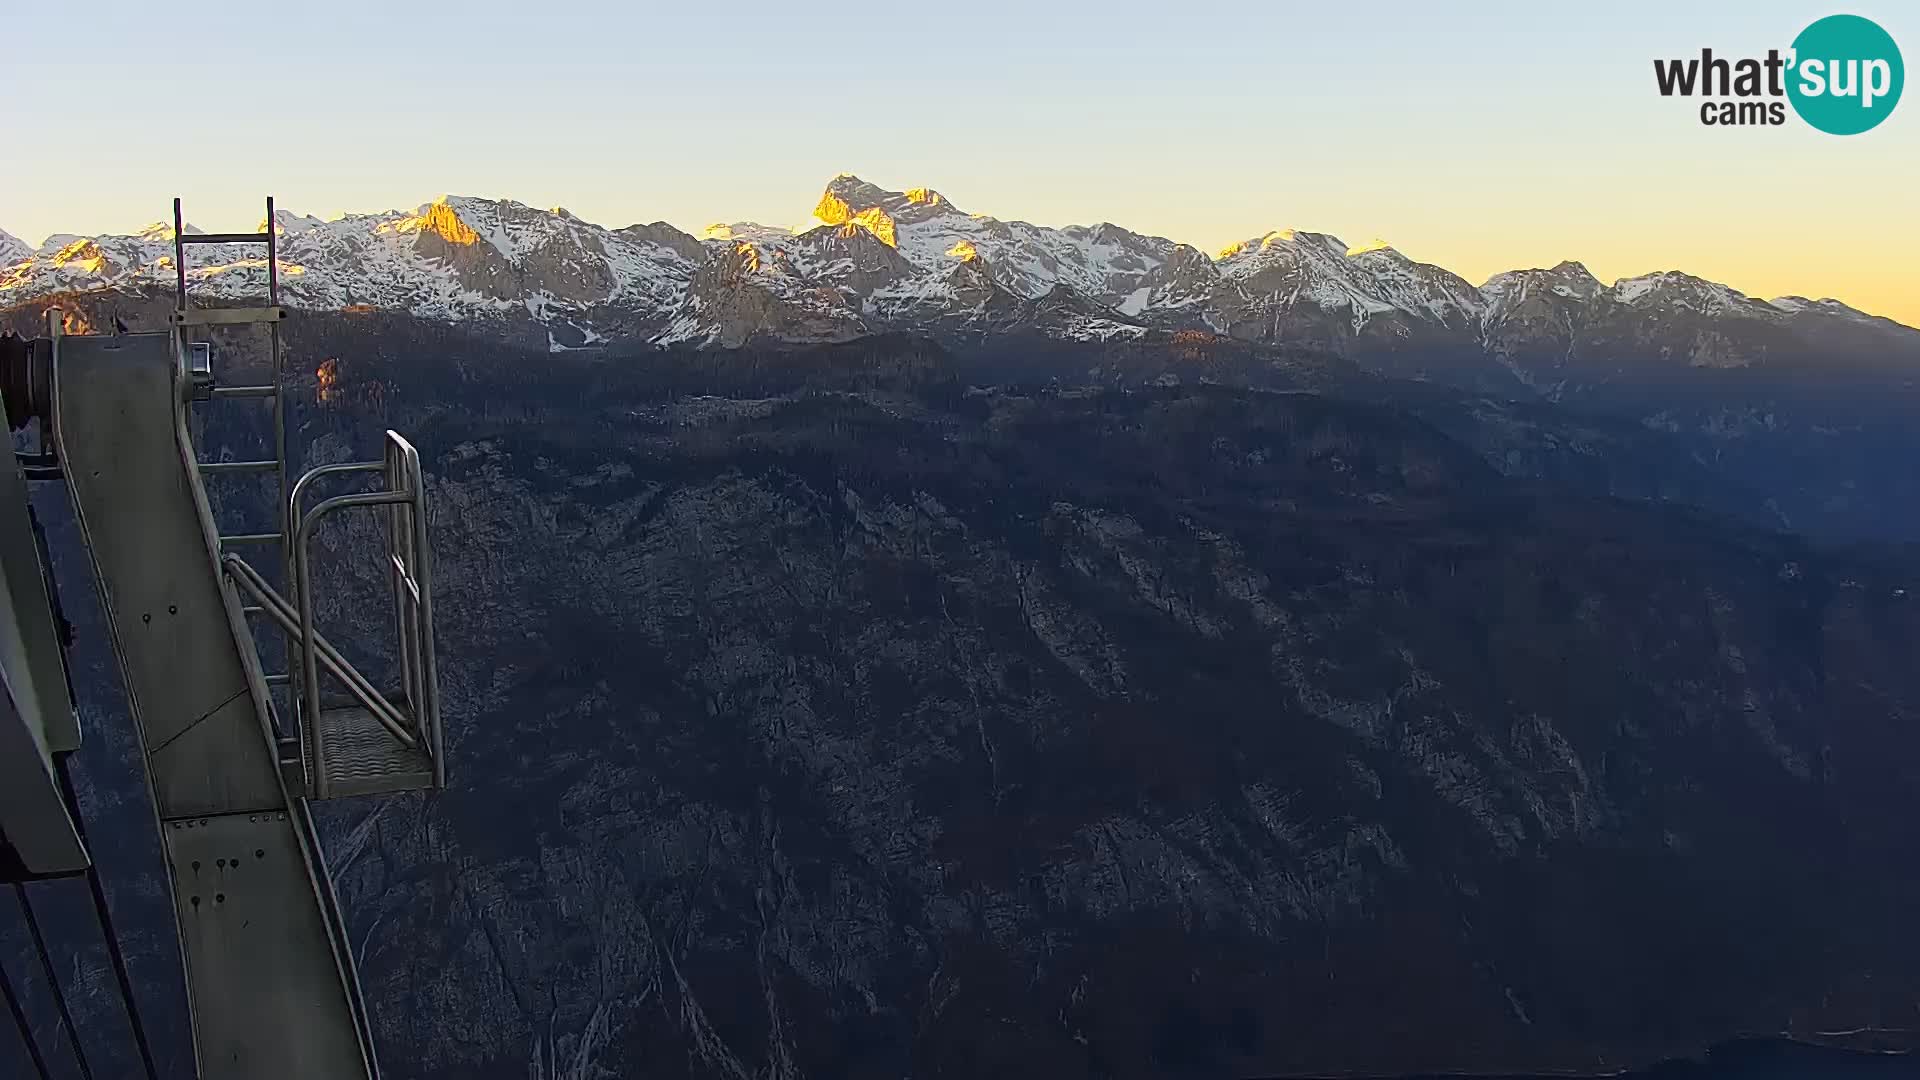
(414, 721)
(391, 718)
(408, 562)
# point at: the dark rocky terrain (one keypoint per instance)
(1186, 707)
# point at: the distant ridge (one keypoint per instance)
(876, 259)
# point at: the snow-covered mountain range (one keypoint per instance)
(879, 260)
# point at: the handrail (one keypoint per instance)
(303, 575)
(408, 560)
(403, 464)
(315, 473)
(276, 605)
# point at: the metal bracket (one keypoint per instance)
(199, 361)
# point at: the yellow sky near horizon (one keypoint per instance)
(1480, 136)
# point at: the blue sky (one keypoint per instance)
(1480, 136)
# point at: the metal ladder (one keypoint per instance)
(200, 373)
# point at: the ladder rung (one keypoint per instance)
(238, 466)
(278, 678)
(263, 390)
(224, 238)
(251, 538)
(228, 316)
(251, 609)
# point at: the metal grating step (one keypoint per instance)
(359, 757)
(225, 238)
(229, 316)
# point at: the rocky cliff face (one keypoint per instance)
(868, 711)
(1189, 731)
(828, 714)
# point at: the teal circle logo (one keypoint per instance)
(1846, 75)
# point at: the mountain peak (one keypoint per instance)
(13, 249)
(161, 231)
(1631, 289)
(466, 202)
(287, 223)
(750, 231)
(858, 193)
(1566, 279)
(441, 218)
(1675, 289)
(1794, 305)
(850, 200)
(1291, 240)
(876, 209)
(924, 196)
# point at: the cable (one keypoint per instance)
(105, 917)
(26, 1030)
(53, 982)
(102, 913)
(61, 626)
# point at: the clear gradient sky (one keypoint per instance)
(1479, 136)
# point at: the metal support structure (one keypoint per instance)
(239, 466)
(39, 836)
(52, 975)
(233, 316)
(25, 1027)
(245, 391)
(272, 986)
(103, 914)
(221, 237)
